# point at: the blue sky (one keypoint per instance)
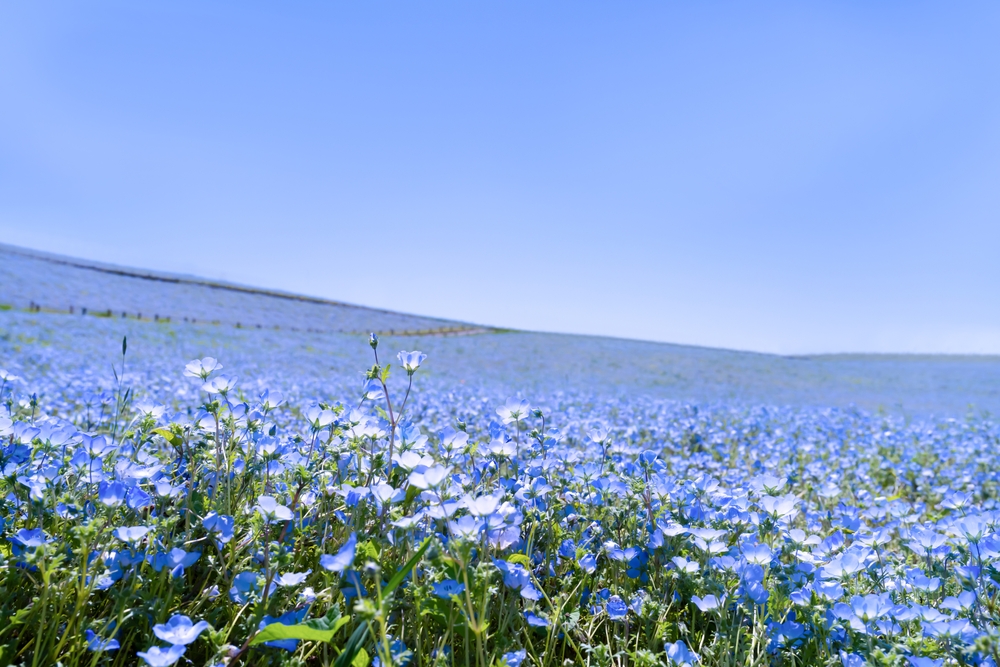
(795, 178)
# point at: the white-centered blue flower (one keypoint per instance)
(344, 557)
(411, 360)
(179, 630)
(162, 657)
(272, 510)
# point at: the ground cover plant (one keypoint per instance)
(164, 513)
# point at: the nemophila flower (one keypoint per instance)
(513, 410)
(37, 486)
(684, 565)
(292, 578)
(613, 551)
(781, 507)
(220, 384)
(466, 527)
(961, 602)
(398, 654)
(447, 588)
(271, 510)
(588, 563)
(320, 418)
(951, 630)
(863, 610)
(916, 578)
(245, 585)
(29, 538)
(162, 657)
(917, 661)
(411, 360)
(220, 525)
(175, 561)
(384, 494)
(852, 659)
(288, 618)
(429, 478)
(707, 603)
(343, 558)
(759, 554)
(768, 484)
(845, 565)
(137, 499)
(372, 390)
(411, 460)
(164, 489)
(513, 659)
(679, 655)
(616, 608)
(179, 630)
(567, 549)
(149, 408)
(98, 645)
(202, 368)
(131, 534)
(502, 448)
(483, 505)
(535, 621)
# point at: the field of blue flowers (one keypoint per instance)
(163, 505)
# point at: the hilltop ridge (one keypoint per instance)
(34, 279)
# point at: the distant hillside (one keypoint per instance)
(32, 279)
(302, 337)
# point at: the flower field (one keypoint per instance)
(170, 500)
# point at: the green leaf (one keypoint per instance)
(169, 436)
(411, 493)
(368, 551)
(353, 647)
(410, 564)
(520, 559)
(317, 630)
(361, 659)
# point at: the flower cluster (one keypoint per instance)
(195, 517)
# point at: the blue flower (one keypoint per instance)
(175, 560)
(131, 534)
(707, 603)
(400, 655)
(514, 658)
(220, 525)
(112, 494)
(97, 645)
(179, 630)
(293, 578)
(567, 549)
(288, 618)
(271, 510)
(244, 585)
(679, 654)
(159, 657)
(411, 360)
(852, 660)
(29, 538)
(535, 620)
(448, 588)
(343, 558)
(588, 563)
(616, 608)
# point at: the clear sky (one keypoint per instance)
(800, 177)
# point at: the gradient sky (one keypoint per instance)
(795, 178)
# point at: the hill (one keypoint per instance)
(308, 337)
